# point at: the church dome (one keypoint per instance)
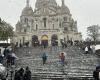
(49, 3)
(27, 11)
(52, 3)
(38, 3)
(65, 10)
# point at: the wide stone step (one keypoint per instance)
(60, 75)
(78, 65)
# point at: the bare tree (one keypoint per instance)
(93, 32)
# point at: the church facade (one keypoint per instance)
(49, 23)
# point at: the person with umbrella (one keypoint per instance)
(62, 58)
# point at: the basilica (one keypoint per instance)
(48, 23)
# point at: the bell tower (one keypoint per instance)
(27, 3)
(63, 2)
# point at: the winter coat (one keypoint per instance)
(27, 75)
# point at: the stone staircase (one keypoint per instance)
(78, 65)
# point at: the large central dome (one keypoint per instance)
(41, 3)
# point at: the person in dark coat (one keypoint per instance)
(8, 60)
(19, 75)
(13, 58)
(21, 71)
(1, 57)
(27, 75)
(44, 58)
(96, 75)
(6, 52)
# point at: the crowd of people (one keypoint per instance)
(90, 49)
(7, 57)
(22, 74)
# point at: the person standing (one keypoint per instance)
(6, 52)
(44, 58)
(1, 57)
(62, 58)
(93, 49)
(9, 59)
(96, 73)
(86, 50)
(27, 75)
(13, 58)
(19, 75)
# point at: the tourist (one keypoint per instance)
(71, 43)
(21, 71)
(93, 49)
(19, 75)
(44, 45)
(13, 58)
(6, 52)
(44, 58)
(9, 58)
(96, 73)
(89, 49)
(1, 57)
(62, 43)
(62, 58)
(86, 50)
(27, 75)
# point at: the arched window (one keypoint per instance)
(36, 27)
(54, 40)
(35, 41)
(32, 21)
(23, 40)
(25, 30)
(65, 29)
(65, 18)
(26, 20)
(60, 24)
(44, 20)
(53, 26)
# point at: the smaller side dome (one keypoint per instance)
(27, 11)
(18, 26)
(52, 3)
(64, 8)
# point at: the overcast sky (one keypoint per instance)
(86, 12)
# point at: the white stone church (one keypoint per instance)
(48, 23)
